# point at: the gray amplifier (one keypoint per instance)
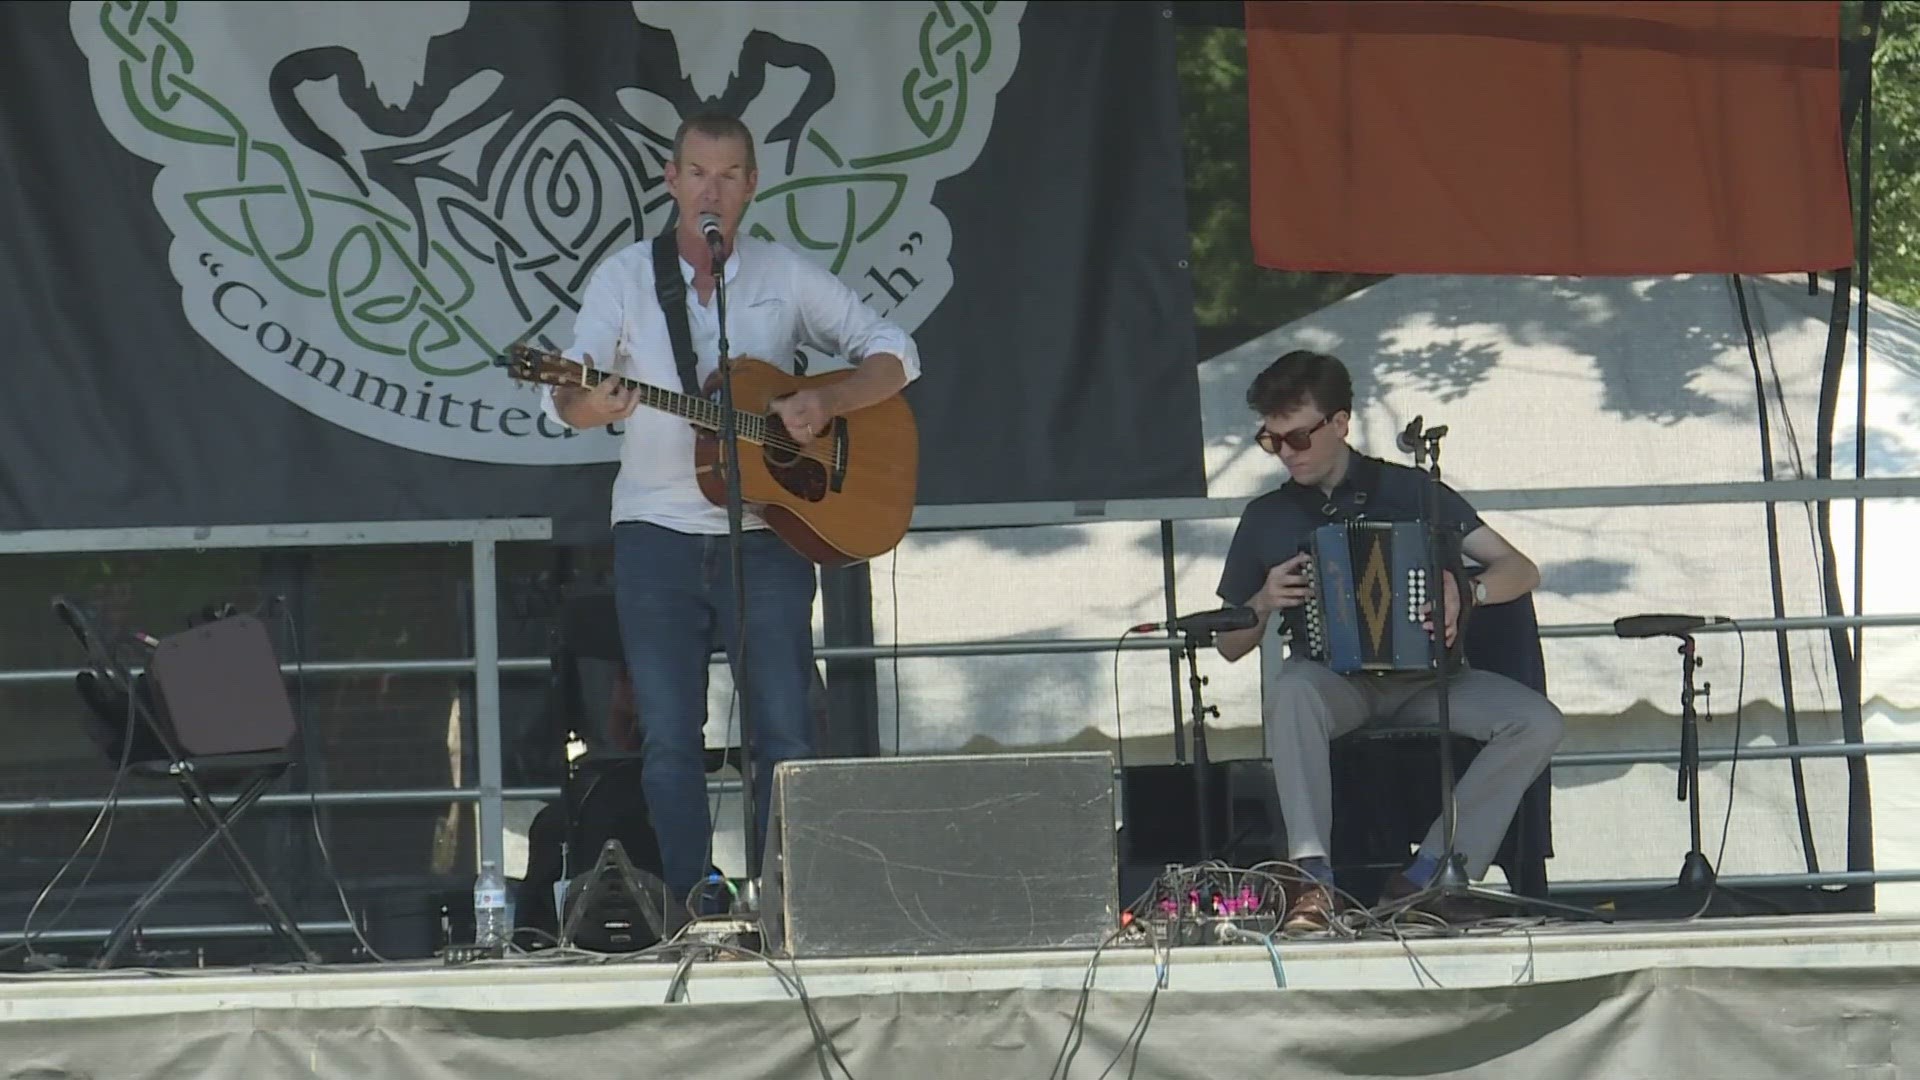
(942, 854)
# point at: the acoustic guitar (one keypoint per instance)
(845, 498)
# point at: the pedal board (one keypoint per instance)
(1212, 905)
(1191, 930)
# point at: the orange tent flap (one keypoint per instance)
(1546, 138)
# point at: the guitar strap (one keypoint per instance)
(671, 289)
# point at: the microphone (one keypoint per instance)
(710, 228)
(1640, 626)
(1216, 621)
(1410, 438)
(81, 624)
(70, 615)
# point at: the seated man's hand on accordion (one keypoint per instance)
(1286, 587)
(1452, 594)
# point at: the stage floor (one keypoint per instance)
(1730, 999)
(1524, 952)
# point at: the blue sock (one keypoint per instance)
(1318, 867)
(1423, 869)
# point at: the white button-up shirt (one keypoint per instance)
(777, 300)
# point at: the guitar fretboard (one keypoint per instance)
(707, 414)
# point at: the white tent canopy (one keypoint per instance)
(1544, 384)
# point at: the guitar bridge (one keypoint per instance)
(840, 445)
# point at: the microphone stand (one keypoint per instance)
(1696, 873)
(1451, 880)
(730, 454)
(1194, 640)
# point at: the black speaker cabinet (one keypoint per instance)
(925, 855)
(221, 690)
(1159, 813)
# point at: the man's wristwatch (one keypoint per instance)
(1479, 592)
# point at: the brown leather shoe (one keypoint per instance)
(1310, 912)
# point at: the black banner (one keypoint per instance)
(258, 264)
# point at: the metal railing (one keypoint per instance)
(487, 667)
(189, 932)
(483, 537)
(1574, 759)
(517, 665)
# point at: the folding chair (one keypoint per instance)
(1386, 785)
(210, 712)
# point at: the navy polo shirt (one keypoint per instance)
(1275, 527)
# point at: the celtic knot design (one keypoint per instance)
(269, 214)
(568, 192)
(955, 43)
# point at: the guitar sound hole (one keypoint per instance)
(803, 476)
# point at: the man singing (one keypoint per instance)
(672, 575)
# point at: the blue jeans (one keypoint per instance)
(674, 592)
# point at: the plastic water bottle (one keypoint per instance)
(490, 909)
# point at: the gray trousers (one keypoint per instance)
(1308, 705)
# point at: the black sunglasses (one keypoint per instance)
(1299, 440)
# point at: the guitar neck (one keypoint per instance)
(697, 411)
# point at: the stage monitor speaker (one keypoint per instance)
(927, 855)
(220, 686)
(614, 907)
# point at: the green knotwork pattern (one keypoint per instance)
(956, 42)
(268, 214)
(329, 245)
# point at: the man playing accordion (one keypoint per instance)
(1305, 403)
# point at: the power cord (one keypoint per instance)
(1119, 736)
(103, 662)
(893, 575)
(823, 1045)
(1733, 767)
(310, 747)
(1076, 1028)
(1352, 921)
(1138, 1035)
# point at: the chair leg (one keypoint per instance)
(124, 930)
(217, 834)
(283, 925)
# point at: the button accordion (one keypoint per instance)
(1368, 581)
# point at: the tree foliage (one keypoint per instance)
(1234, 299)
(1894, 236)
